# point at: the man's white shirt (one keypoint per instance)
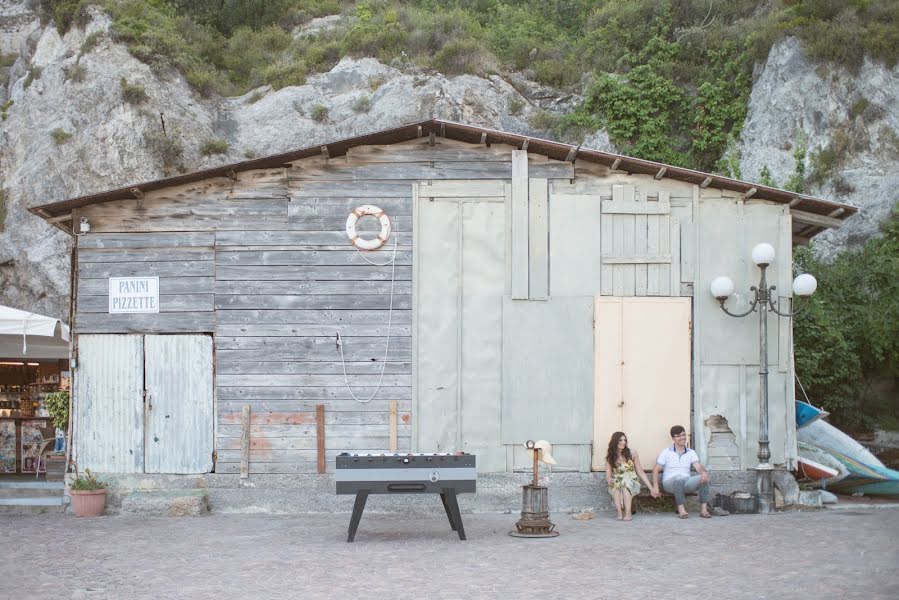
(675, 464)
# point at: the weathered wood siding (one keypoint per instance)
(261, 260)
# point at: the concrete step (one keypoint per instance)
(166, 503)
(31, 489)
(32, 506)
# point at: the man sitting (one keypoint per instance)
(676, 462)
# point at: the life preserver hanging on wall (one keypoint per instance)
(373, 211)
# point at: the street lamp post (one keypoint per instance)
(722, 288)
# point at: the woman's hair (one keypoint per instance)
(612, 454)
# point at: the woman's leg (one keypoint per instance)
(628, 498)
(616, 495)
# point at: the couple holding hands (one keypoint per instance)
(624, 472)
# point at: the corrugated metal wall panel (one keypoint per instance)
(108, 404)
(179, 403)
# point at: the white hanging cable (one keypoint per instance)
(346, 380)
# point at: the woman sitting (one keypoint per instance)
(623, 474)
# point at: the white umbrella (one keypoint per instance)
(26, 335)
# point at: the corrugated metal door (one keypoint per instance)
(460, 279)
(109, 414)
(178, 372)
(642, 373)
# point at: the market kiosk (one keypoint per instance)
(34, 352)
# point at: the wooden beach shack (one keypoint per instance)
(530, 289)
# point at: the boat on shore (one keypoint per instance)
(809, 469)
(807, 414)
(865, 473)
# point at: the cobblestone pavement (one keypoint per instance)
(818, 554)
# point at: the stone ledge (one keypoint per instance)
(311, 493)
(166, 503)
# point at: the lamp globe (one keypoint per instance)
(722, 287)
(763, 254)
(804, 285)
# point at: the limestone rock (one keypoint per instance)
(810, 498)
(112, 141)
(828, 497)
(794, 98)
(785, 483)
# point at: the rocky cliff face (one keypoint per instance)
(849, 123)
(114, 142)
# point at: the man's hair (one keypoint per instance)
(677, 430)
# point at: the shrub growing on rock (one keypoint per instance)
(132, 93)
(214, 146)
(60, 136)
(319, 113)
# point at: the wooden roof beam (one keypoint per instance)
(808, 218)
(60, 218)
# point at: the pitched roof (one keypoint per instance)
(810, 215)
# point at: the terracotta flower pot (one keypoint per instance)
(88, 503)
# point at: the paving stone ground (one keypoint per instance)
(817, 554)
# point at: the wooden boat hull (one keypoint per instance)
(810, 469)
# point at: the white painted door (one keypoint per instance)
(642, 371)
(178, 379)
(460, 279)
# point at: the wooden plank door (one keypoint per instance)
(179, 406)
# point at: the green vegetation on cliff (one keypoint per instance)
(668, 79)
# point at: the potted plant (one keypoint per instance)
(57, 405)
(88, 495)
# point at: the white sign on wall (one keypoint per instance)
(134, 294)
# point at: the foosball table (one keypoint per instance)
(444, 474)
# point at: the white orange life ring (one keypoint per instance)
(362, 211)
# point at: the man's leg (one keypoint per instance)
(675, 486)
(693, 485)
